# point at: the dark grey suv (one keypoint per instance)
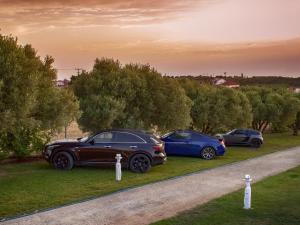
(246, 137)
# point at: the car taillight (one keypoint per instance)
(157, 148)
(222, 142)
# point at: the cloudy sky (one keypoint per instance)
(178, 37)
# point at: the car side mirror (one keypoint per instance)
(92, 142)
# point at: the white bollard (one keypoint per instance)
(247, 196)
(118, 167)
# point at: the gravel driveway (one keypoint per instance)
(149, 203)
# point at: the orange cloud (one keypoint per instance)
(34, 15)
(257, 37)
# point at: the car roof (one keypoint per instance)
(140, 133)
(247, 129)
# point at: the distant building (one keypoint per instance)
(226, 83)
(295, 89)
(62, 83)
(219, 81)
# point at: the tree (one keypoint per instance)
(130, 96)
(31, 107)
(216, 108)
(272, 106)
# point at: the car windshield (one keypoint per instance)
(231, 131)
(83, 139)
(166, 135)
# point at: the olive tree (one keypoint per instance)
(129, 96)
(31, 107)
(217, 109)
(272, 107)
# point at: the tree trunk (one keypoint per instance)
(264, 127)
(65, 131)
(261, 125)
(295, 130)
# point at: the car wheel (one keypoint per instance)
(140, 163)
(63, 161)
(256, 143)
(208, 153)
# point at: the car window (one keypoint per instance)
(154, 139)
(103, 137)
(180, 135)
(253, 132)
(124, 137)
(240, 132)
(197, 136)
(83, 139)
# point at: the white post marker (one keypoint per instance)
(118, 167)
(247, 196)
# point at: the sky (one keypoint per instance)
(177, 37)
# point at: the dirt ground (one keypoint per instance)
(73, 132)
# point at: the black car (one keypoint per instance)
(139, 150)
(246, 137)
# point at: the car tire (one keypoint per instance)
(256, 143)
(208, 153)
(63, 161)
(140, 163)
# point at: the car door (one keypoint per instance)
(126, 143)
(178, 143)
(99, 149)
(239, 137)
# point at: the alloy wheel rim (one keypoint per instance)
(208, 153)
(140, 164)
(256, 143)
(62, 161)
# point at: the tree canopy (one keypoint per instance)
(272, 106)
(31, 107)
(217, 109)
(133, 95)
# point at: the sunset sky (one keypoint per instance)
(177, 37)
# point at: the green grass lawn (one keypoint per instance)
(29, 186)
(275, 201)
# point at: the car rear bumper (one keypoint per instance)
(159, 159)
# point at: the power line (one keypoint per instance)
(65, 69)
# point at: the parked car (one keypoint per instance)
(246, 137)
(139, 150)
(192, 143)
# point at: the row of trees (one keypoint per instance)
(32, 109)
(137, 96)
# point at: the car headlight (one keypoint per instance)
(50, 148)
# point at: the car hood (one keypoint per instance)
(63, 141)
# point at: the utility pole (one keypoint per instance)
(78, 70)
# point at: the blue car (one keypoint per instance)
(192, 143)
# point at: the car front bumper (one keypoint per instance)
(221, 150)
